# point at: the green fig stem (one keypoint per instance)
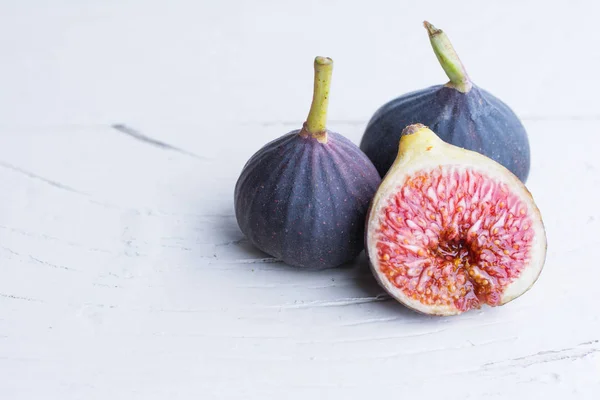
(448, 59)
(315, 124)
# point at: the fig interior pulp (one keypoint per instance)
(450, 229)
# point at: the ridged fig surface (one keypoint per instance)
(304, 201)
(475, 120)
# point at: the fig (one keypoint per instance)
(459, 112)
(450, 230)
(303, 198)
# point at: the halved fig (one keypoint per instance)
(450, 230)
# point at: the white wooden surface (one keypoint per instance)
(123, 274)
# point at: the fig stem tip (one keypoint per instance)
(431, 29)
(317, 116)
(448, 59)
(323, 60)
(414, 128)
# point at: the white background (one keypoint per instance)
(123, 274)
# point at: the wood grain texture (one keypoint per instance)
(123, 274)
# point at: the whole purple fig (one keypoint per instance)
(461, 114)
(303, 198)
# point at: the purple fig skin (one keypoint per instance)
(304, 201)
(475, 121)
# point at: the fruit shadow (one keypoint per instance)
(368, 286)
(231, 246)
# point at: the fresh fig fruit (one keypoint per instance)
(303, 198)
(450, 229)
(459, 112)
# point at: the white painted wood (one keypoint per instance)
(123, 274)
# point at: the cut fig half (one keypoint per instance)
(450, 230)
